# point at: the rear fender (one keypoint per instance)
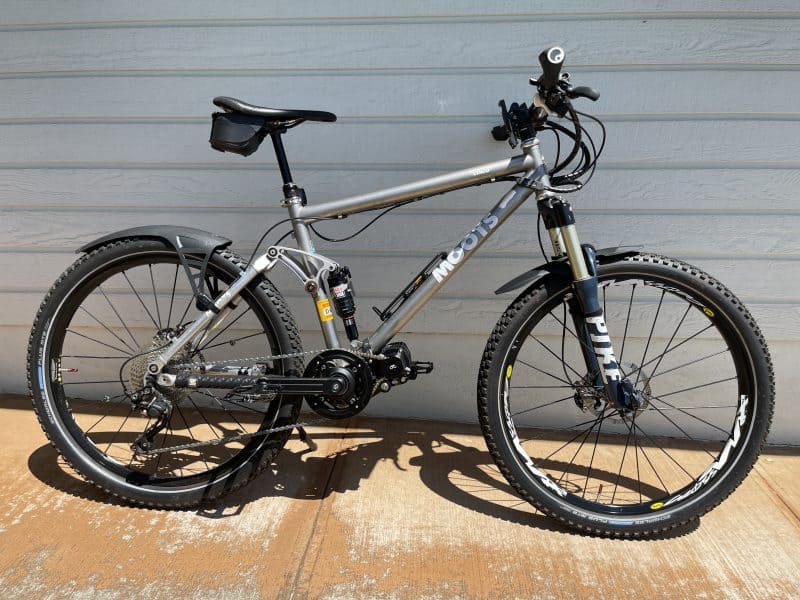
(185, 241)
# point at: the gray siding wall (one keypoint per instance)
(104, 119)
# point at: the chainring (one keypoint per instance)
(330, 361)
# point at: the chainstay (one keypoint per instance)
(228, 439)
(245, 436)
(258, 359)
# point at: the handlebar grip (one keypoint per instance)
(551, 61)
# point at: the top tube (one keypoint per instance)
(424, 187)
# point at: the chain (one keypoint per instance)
(246, 436)
(228, 439)
(258, 359)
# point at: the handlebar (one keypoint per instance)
(555, 92)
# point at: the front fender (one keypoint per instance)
(183, 239)
(560, 269)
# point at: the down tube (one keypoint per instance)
(449, 265)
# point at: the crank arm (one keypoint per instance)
(291, 386)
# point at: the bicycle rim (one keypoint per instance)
(694, 371)
(106, 327)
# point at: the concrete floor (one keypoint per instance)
(382, 509)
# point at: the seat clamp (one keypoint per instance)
(293, 192)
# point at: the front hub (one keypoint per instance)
(632, 395)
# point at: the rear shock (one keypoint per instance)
(344, 300)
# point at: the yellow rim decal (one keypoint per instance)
(324, 310)
(656, 505)
(508, 371)
(709, 312)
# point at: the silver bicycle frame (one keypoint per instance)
(530, 163)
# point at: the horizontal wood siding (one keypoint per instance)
(104, 121)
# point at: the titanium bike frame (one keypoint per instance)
(309, 266)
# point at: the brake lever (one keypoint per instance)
(583, 91)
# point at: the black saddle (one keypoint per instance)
(242, 127)
(278, 115)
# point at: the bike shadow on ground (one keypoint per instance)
(443, 454)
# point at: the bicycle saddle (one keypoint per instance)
(272, 114)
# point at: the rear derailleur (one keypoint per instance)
(156, 406)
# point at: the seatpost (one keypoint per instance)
(280, 154)
(290, 190)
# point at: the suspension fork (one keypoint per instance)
(585, 309)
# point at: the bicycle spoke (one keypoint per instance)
(690, 414)
(542, 344)
(95, 357)
(636, 450)
(594, 450)
(105, 414)
(586, 435)
(99, 342)
(692, 407)
(647, 458)
(675, 347)
(692, 362)
(522, 412)
(627, 320)
(125, 420)
(696, 387)
(233, 341)
(172, 296)
(568, 330)
(186, 310)
(104, 326)
(669, 343)
(155, 296)
(573, 438)
(224, 329)
(191, 435)
(203, 416)
(88, 382)
(683, 431)
(116, 312)
(650, 337)
(680, 466)
(543, 372)
(550, 430)
(621, 464)
(540, 387)
(144, 306)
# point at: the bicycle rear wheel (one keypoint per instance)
(95, 332)
(704, 374)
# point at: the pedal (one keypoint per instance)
(420, 367)
(397, 366)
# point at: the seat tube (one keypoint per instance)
(321, 302)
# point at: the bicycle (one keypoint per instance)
(169, 406)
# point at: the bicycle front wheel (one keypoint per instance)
(702, 372)
(97, 329)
